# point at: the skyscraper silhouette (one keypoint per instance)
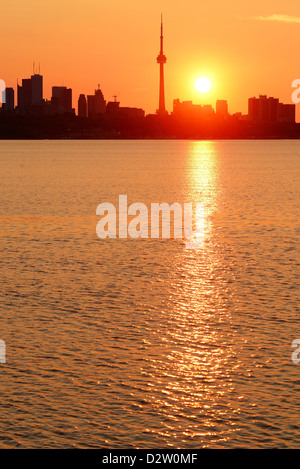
(36, 89)
(82, 106)
(161, 60)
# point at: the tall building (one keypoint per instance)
(30, 94)
(61, 100)
(221, 108)
(24, 94)
(161, 60)
(96, 104)
(268, 110)
(286, 112)
(100, 103)
(36, 89)
(9, 104)
(91, 105)
(112, 107)
(82, 106)
(263, 109)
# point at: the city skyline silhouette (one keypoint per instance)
(30, 102)
(245, 51)
(150, 190)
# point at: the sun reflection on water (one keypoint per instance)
(195, 349)
(144, 343)
(202, 186)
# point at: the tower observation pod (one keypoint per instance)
(161, 60)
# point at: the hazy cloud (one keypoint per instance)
(282, 18)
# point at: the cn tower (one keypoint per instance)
(161, 60)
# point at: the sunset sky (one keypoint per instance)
(245, 49)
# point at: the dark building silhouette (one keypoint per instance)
(24, 94)
(131, 113)
(270, 110)
(61, 100)
(35, 117)
(112, 108)
(91, 106)
(161, 60)
(240, 116)
(30, 93)
(221, 108)
(188, 110)
(9, 104)
(36, 89)
(19, 96)
(100, 103)
(286, 112)
(82, 106)
(96, 104)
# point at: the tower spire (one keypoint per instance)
(161, 60)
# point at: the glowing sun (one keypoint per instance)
(203, 85)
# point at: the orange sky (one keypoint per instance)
(246, 49)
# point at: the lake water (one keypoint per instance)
(142, 343)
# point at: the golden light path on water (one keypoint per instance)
(195, 370)
(124, 343)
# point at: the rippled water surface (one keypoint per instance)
(143, 343)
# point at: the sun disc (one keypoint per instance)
(203, 85)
